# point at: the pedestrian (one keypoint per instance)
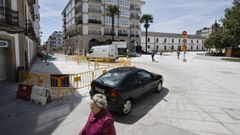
(178, 54)
(153, 54)
(46, 57)
(100, 121)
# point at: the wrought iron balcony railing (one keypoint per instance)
(123, 34)
(8, 16)
(29, 31)
(94, 21)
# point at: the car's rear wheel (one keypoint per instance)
(159, 87)
(126, 107)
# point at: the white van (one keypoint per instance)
(103, 51)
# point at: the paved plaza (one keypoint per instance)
(200, 96)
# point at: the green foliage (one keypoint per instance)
(227, 35)
(231, 59)
(231, 22)
(111, 11)
(146, 19)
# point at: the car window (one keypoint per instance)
(111, 78)
(130, 81)
(143, 75)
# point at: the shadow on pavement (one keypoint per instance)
(26, 118)
(141, 107)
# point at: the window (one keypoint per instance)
(197, 47)
(165, 40)
(192, 41)
(148, 46)
(124, 22)
(202, 48)
(124, 2)
(110, 1)
(143, 75)
(157, 47)
(179, 40)
(157, 39)
(191, 47)
(172, 47)
(94, 31)
(94, 8)
(197, 41)
(165, 47)
(124, 12)
(111, 78)
(148, 39)
(108, 20)
(172, 40)
(131, 81)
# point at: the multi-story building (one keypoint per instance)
(56, 40)
(85, 23)
(19, 36)
(170, 42)
(205, 32)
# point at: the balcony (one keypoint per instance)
(29, 31)
(96, 1)
(78, 20)
(8, 17)
(78, 10)
(123, 34)
(90, 32)
(31, 2)
(72, 33)
(134, 16)
(77, 1)
(108, 34)
(94, 10)
(93, 21)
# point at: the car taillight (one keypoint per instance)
(114, 93)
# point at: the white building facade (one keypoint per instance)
(171, 42)
(19, 36)
(56, 40)
(205, 32)
(86, 24)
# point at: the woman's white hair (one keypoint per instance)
(100, 100)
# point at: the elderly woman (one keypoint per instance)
(100, 121)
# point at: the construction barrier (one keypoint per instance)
(62, 85)
(24, 91)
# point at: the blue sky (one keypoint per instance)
(171, 16)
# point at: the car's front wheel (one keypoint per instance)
(126, 107)
(159, 87)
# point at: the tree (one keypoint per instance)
(146, 18)
(231, 22)
(216, 38)
(111, 11)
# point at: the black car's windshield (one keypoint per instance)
(114, 76)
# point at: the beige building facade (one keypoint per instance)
(85, 23)
(19, 36)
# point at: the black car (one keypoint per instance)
(122, 85)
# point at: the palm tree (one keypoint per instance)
(111, 11)
(146, 18)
